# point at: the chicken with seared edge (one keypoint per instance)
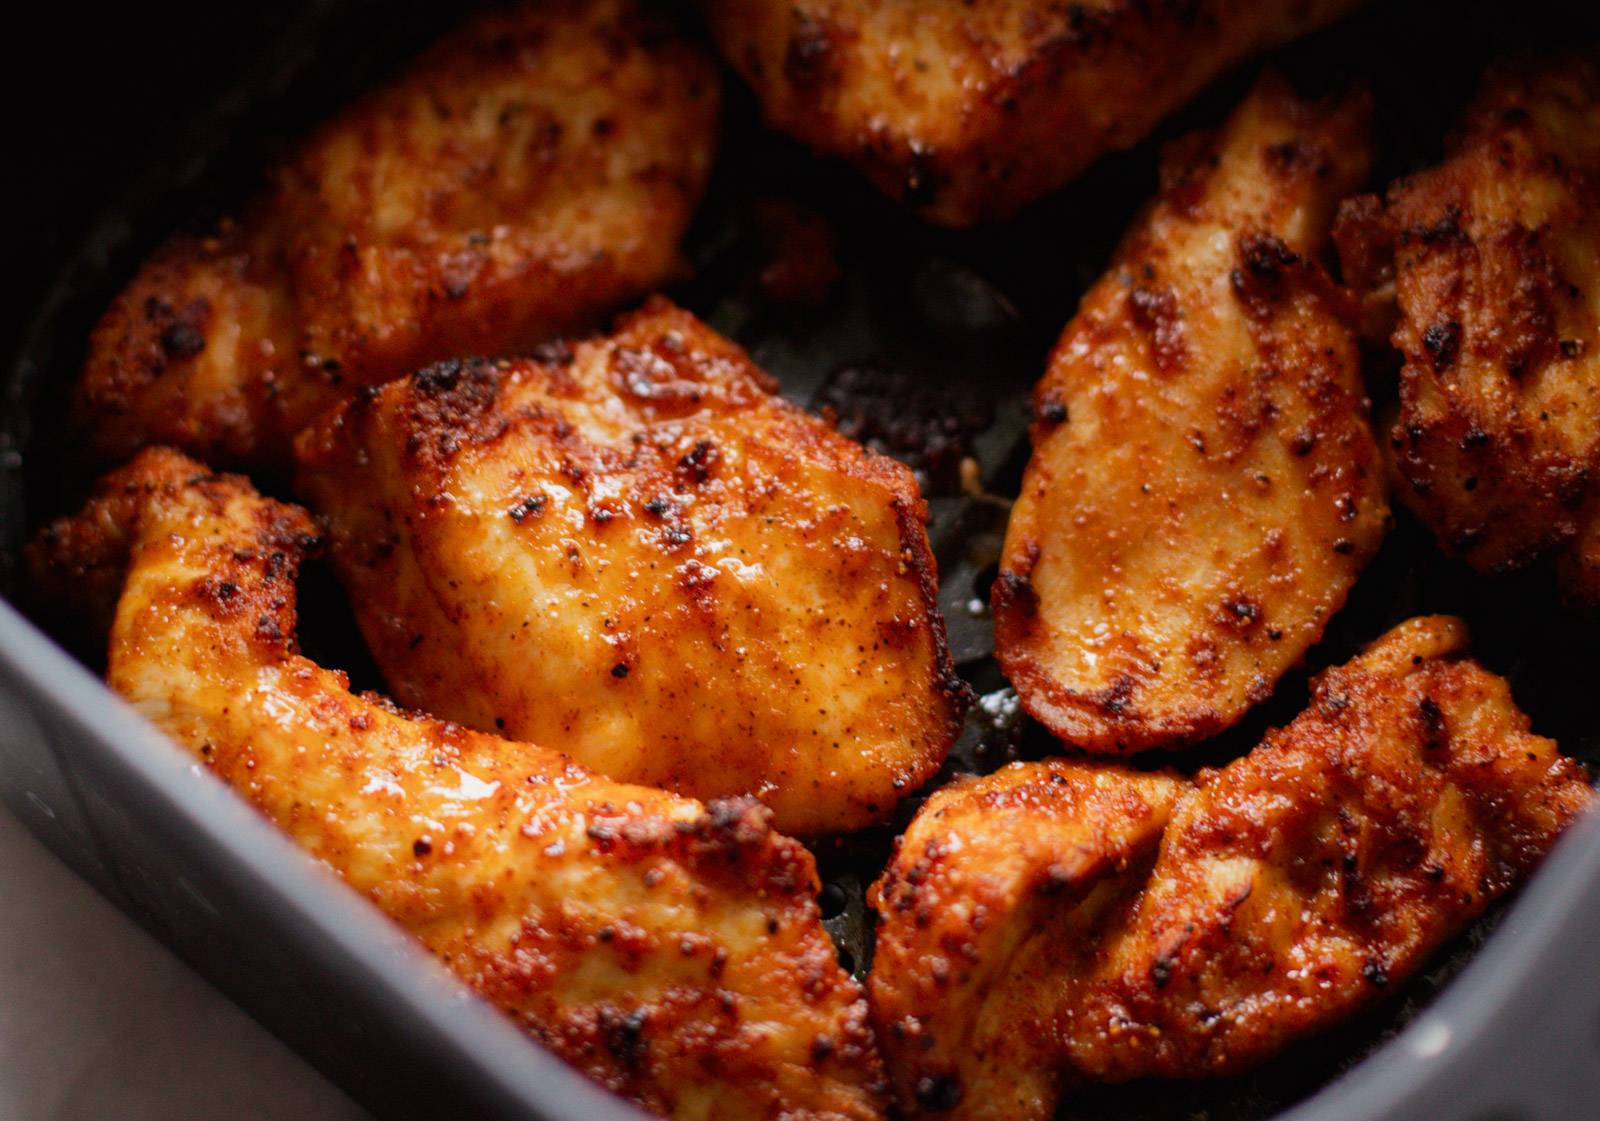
(630, 546)
(673, 951)
(968, 109)
(1491, 263)
(527, 175)
(1204, 486)
(1069, 921)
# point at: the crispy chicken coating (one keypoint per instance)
(998, 888)
(673, 951)
(633, 548)
(524, 177)
(1063, 922)
(967, 110)
(1204, 487)
(1494, 261)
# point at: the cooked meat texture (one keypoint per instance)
(996, 892)
(671, 950)
(1065, 922)
(524, 177)
(632, 548)
(967, 109)
(1495, 268)
(1294, 885)
(1204, 487)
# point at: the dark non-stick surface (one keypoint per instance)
(924, 348)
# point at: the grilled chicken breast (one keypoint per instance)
(1494, 261)
(525, 176)
(1204, 486)
(671, 950)
(967, 110)
(1063, 921)
(632, 548)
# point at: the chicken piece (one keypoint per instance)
(672, 951)
(1027, 944)
(1294, 885)
(967, 109)
(996, 890)
(1204, 487)
(527, 175)
(1496, 272)
(632, 548)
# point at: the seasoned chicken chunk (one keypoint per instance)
(524, 177)
(1064, 922)
(1496, 274)
(1204, 486)
(998, 889)
(672, 951)
(967, 109)
(632, 548)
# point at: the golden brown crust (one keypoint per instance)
(1204, 486)
(1289, 889)
(1497, 443)
(672, 951)
(521, 179)
(998, 884)
(966, 110)
(1295, 885)
(632, 548)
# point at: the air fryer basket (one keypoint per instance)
(926, 350)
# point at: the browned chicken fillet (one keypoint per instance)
(1063, 922)
(672, 951)
(1204, 487)
(967, 109)
(528, 174)
(998, 888)
(632, 548)
(1496, 272)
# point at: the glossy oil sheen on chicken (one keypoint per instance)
(1063, 922)
(1204, 486)
(996, 893)
(631, 547)
(967, 110)
(1496, 273)
(671, 950)
(527, 175)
